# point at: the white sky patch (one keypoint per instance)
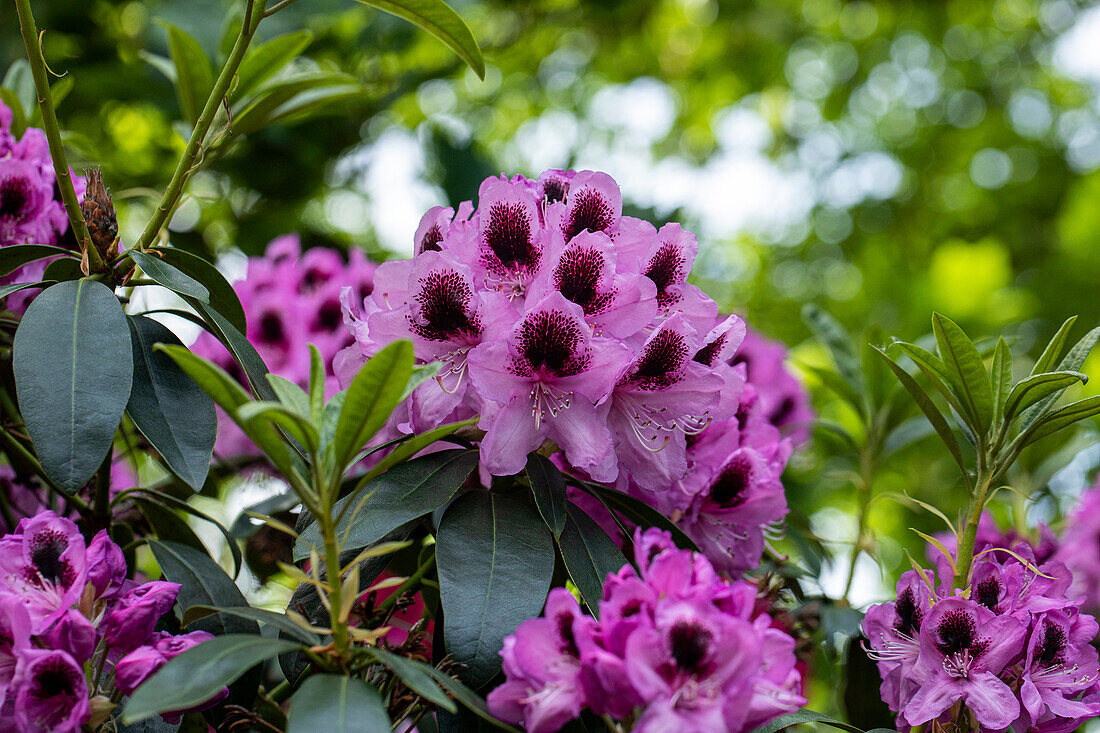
(1077, 51)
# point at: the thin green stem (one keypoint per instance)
(965, 553)
(866, 474)
(332, 574)
(53, 133)
(413, 581)
(277, 7)
(187, 162)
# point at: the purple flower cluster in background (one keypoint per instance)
(1015, 650)
(556, 318)
(676, 647)
(1080, 547)
(66, 607)
(31, 211)
(291, 299)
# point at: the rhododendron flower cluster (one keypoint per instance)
(1080, 547)
(66, 607)
(556, 318)
(1015, 650)
(31, 211)
(676, 647)
(291, 299)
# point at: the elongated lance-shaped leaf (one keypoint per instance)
(410, 446)
(548, 486)
(416, 676)
(1071, 362)
(809, 716)
(964, 365)
(14, 256)
(168, 407)
(1029, 391)
(1000, 376)
(1063, 417)
(169, 501)
(373, 394)
(280, 621)
(1049, 358)
(222, 297)
(924, 402)
(589, 555)
(932, 368)
(204, 584)
(437, 17)
(495, 558)
(198, 674)
(194, 73)
(73, 371)
(169, 276)
(832, 335)
(265, 60)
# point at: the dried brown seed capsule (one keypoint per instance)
(99, 214)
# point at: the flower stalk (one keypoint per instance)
(31, 40)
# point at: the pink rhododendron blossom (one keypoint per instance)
(675, 648)
(44, 562)
(51, 694)
(560, 322)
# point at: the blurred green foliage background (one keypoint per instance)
(881, 159)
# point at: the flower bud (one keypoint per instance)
(99, 214)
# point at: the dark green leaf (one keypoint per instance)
(1049, 357)
(548, 486)
(6, 290)
(408, 446)
(1071, 362)
(805, 716)
(373, 394)
(165, 274)
(204, 584)
(19, 117)
(194, 74)
(932, 368)
(589, 555)
(269, 618)
(495, 558)
(416, 676)
(924, 402)
(436, 17)
(263, 61)
(968, 376)
(267, 101)
(63, 269)
(832, 335)
(199, 674)
(1029, 391)
(403, 493)
(643, 514)
(243, 351)
(168, 407)
(167, 525)
(15, 256)
(172, 502)
(73, 371)
(1063, 417)
(223, 298)
(337, 704)
(1000, 375)
(469, 699)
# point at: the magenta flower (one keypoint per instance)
(1080, 548)
(785, 403)
(1061, 663)
(74, 634)
(510, 243)
(893, 634)
(44, 563)
(106, 565)
(964, 647)
(591, 203)
(135, 614)
(141, 663)
(15, 638)
(542, 662)
(545, 383)
(51, 694)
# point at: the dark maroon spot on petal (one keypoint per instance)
(665, 269)
(590, 212)
(431, 239)
(15, 197)
(330, 316)
(577, 277)
(631, 608)
(271, 329)
(553, 189)
(444, 299)
(661, 361)
(709, 353)
(53, 678)
(552, 341)
(728, 490)
(909, 614)
(783, 411)
(988, 593)
(567, 641)
(312, 278)
(46, 550)
(508, 235)
(1052, 646)
(957, 633)
(690, 643)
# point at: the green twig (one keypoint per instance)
(32, 41)
(411, 582)
(187, 162)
